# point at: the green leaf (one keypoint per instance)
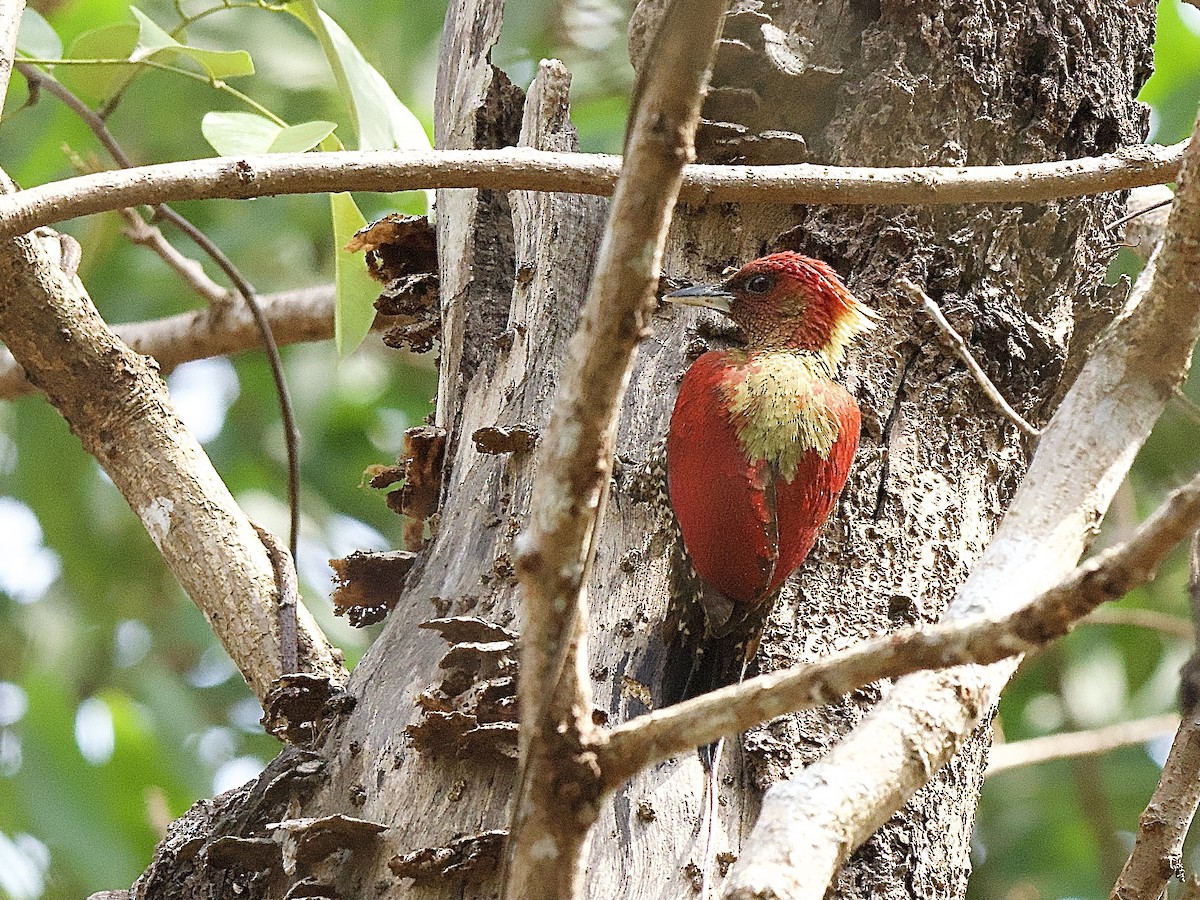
(151, 38)
(97, 83)
(242, 133)
(302, 137)
(378, 117)
(220, 64)
(354, 310)
(239, 133)
(37, 37)
(155, 43)
(138, 43)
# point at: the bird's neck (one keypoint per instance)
(824, 330)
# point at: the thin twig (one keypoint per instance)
(1112, 226)
(964, 353)
(291, 433)
(1078, 743)
(234, 178)
(981, 640)
(288, 595)
(1143, 232)
(141, 232)
(1152, 619)
(570, 490)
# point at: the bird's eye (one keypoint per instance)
(759, 284)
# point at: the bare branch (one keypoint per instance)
(294, 316)
(1164, 824)
(119, 407)
(556, 551)
(1078, 743)
(964, 353)
(979, 639)
(1146, 219)
(237, 178)
(291, 434)
(834, 805)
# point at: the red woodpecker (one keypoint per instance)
(760, 445)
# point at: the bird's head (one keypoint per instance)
(786, 301)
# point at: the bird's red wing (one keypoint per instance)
(724, 503)
(804, 503)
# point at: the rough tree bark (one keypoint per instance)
(864, 83)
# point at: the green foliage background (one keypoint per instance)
(118, 709)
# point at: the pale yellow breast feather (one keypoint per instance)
(780, 409)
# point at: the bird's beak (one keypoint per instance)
(707, 295)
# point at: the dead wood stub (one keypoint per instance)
(300, 707)
(396, 246)
(497, 439)
(424, 451)
(309, 841)
(402, 253)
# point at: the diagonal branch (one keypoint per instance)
(556, 551)
(294, 316)
(118, 406)
(1158, 847)
(291, 434)
(959, 344)
(239, 178)
(980, 639)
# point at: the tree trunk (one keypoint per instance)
(850, 83)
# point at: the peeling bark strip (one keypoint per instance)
(116, 403)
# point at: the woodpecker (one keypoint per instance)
(760, 445)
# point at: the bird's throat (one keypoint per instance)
(777, 401)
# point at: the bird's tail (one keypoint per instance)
(710, 639)
(718, 662)
(696, 664)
